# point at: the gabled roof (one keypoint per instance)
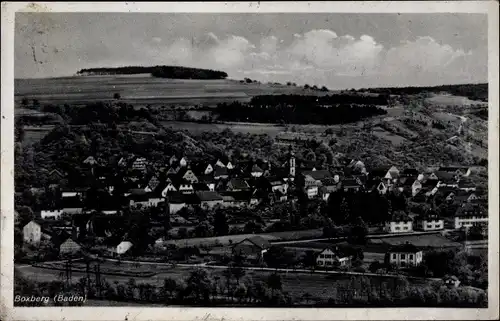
(258, 241)
(400, 216)
(350, 183)
(220, 171)
(319, 174)
(410, 172)
(207, 196)
(238, 183)
(404, 248)
(256, 169)
(339, 252)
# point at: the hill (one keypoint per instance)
(172, 72)
(145, 90)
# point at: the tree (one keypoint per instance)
(274, 282)
(117, 96)
(169, 287)
(221, 227)
(359, 231)
(309, 259)
(277, 256)
(199, 284)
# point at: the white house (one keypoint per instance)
(51, 214)
(470, 215)
(382, 188)
(399, 223)
(168, 189)
(330, 257)
(183, 162)
(209, 169)
(32, 233)
(256, 171)
(186, 188)
(123, 247)
(229, 165)
(140, 164)
(416, 187)
(220, 164)
(405, 255)
(430, 223)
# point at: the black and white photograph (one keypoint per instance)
(253, 159)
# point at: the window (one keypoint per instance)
(410, 256)
(393, 256)
(402, 256)
(320, 262)
(328, 263)
(321, 256)
(405, 228)
(403, 263)
(397, 228)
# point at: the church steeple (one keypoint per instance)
(291, 161)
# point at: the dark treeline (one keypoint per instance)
(174, 72)
(329, 100)
(295, 109)
(471, 91)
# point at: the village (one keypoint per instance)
(86, 221)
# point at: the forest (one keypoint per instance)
(295, 109)
(173, 72)
(471, 91)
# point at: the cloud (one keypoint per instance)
(318, 56)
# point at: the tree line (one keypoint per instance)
(172, 72)
(471, 91)
(298, 112)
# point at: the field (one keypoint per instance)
(449, 100)
(232, 239)
(295, 283)
(197, 128)
(143, 90)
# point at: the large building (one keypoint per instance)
(470, 215)
(32, 233)
(399, 223)
(332, 257)
(405, 255)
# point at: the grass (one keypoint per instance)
(144, 90)
(448, 100)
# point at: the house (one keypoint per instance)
(466, 185)
(237, 184)
(185, 187)
(333, 257)
(152, 184)
(382, 188)
(69, 247)
(252, 248)
(168, 189)
(279, 196)
(451, 281)
(209, 169)
(123, 247)
(410, 173)
(220, 163)
(172, 171)
(457, 170)
(189, 176)
(470, 215)
(32, 233)
(405, 255)
(176, 201)
(325, 191)
(72, 205)
(138, 198)
(139, 164)
(430, 222)
(90, 161)
(256, 171)
(220, 173)
(388, 174)
(173, 160)
(311, 190)
(54, 214)
(350, 185)
(229, 166)
(209, 199)
(400, 223)
(55, 176)
(183, 162)
(446, 179)
(277, 184)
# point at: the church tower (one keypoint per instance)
(291, 161)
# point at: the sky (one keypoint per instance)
(337, 50)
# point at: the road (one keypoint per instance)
(372, 236)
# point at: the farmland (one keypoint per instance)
(143, 90)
